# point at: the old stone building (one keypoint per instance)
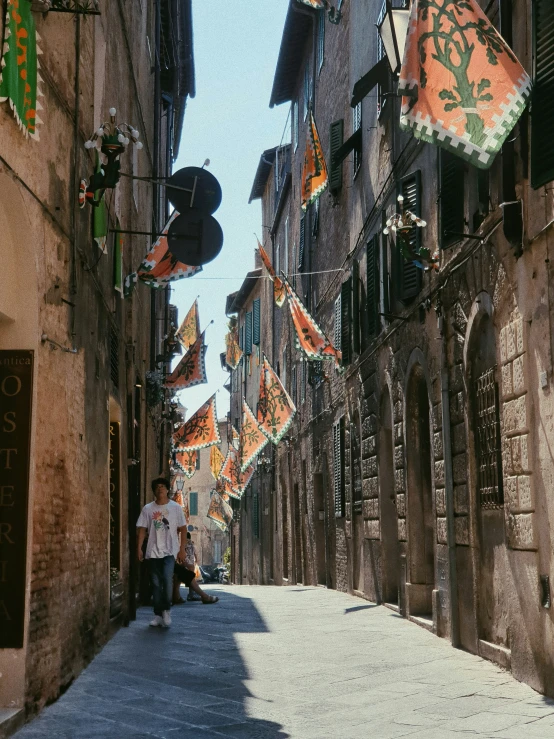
(82, 431)
(419, 475)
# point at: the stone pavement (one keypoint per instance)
(290, 662)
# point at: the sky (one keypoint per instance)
(230, 123)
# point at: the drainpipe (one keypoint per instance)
(449, 492)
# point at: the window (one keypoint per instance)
(357, 126)
(372, 265)
(355, 468)
(346, 332)
(320, 39)
(336, 138)
(217, 552)
(338, 322)
(315, 218)
(286, 254)
(489, 457)
(302, 243)
(355, 311)
(542, 141)
(248, 334)
(295, 124)
(381, 89)
(256, 321)
(193, 503)
(451, 198)
(408, 274)
(338, 467)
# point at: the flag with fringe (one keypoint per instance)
(276, 410)
(252, 438)
(314, 171)
(279, 293)
(216, 461)
(20, 80)
(220, 512)
(309, 337)
(186, 461)
(230, 472)
(463, 87)
(201, 430)
(189, 330)
(234, 353)
(191, 369)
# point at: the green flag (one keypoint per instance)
(100, 215)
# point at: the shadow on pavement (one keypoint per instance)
(359, 608)
(188, 680)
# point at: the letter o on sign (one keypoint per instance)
(10, 386)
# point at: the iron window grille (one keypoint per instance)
(489, 458)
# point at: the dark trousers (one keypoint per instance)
(161, 577)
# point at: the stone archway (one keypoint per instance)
(420, 517)
(390, 553)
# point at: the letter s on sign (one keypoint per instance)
(9, 423)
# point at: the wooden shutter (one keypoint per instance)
(373, 286)
(256, 321)
(193, 504)
(542, 102)
(451, 198)
(336, 137)
(356, 307)
(338, 467)
(338, 317)
(346, 321)
(409, 276)
(302, 243)
(241, 337)
(248, 333)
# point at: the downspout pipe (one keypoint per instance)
(449, 492)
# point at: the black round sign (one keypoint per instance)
(195, 239)
(201, 191)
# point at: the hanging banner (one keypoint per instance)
(216, 461)
(234, 352)
(100, 214)
(186, 461)
(463, 87)
(314, 172)
(220, 512)
(276, 410)
(201, 430)
(191, 369)
(231, 473)
(189, 330)
(20, 80)
(252, 439)
(279, 293)
(309, 337)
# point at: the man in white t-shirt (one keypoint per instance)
(164, 521)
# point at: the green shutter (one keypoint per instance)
(241, 337)
(356, 307)
(338, 467)
(256, 321)
(346, 321)
(336, 137)
(409, 276)
(248, 333)
(542, 101)
(373, 286)
(451, 198)
(193, 500)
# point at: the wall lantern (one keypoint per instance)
(404, 226)
(393, 30)
(112, 139)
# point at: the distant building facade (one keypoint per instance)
(417, 476)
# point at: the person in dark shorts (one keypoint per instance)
(185, 573)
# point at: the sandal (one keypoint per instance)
(210, 599)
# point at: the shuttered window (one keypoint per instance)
(256, 321)
(302, 243)
(409, 276)
(338, 468)
(346, 321)
(451, 198)
(356, 307)
(241, 337)
(293, 391)
(336, 138)
(542, 103)
(338, 323)
(248, 333)
(193, 501)
(357, 129)
(373, 286)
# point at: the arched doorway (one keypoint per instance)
(488, 505)
(421, 528)
(387, 508)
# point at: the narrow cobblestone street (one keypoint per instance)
(290, 662)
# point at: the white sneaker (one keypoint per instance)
(166, 619)
(157, 621)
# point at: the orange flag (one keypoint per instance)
(252, 438)
(463, 87)
(234, 352)
(309, 337)
(279, 293)
(230, 472)
(189, 330)
(216, 461)
(191, 370)
(276, 410)
(220, 512)
(186, 461)
(201, 430)
(314, 172)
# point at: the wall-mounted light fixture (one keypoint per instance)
(393, 30)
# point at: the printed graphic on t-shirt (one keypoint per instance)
(159, 518)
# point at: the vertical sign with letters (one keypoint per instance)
(16, 392)
(115, 493)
